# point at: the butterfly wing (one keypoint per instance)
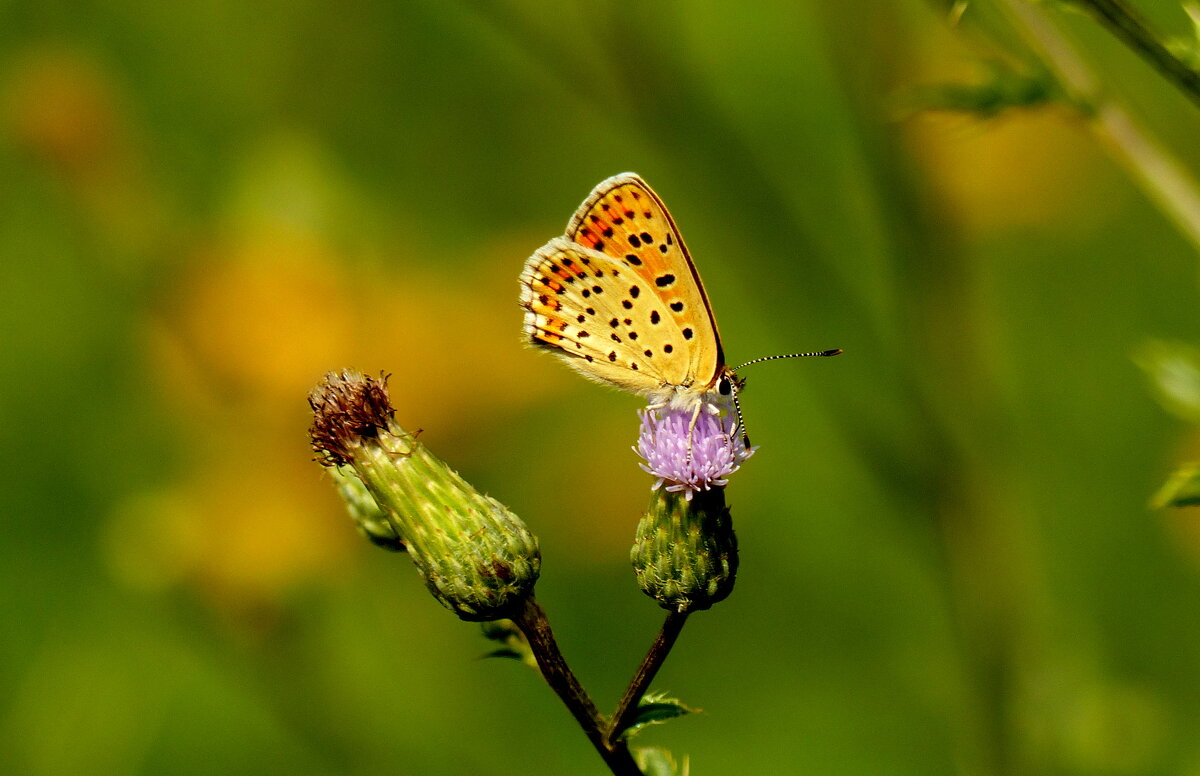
(626, 221)
(577, 304)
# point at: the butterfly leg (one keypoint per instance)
(713, 409)
(700, 406)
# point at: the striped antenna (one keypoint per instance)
(822, 353)
(736, 383)
(741, 422)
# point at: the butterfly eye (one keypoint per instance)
(724, 387)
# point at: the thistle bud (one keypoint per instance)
(685, 553)
(371, 521)
(477, 558)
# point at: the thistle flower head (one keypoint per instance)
(716, 451)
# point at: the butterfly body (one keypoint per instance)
(618, 298)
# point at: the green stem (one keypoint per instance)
(1129, 27)
(627, 709)
(533, 623)
(1160, 175)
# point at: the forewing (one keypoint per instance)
(625, 220)
(577, 304)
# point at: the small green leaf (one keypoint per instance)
(504, 652)
(1174, 372)
(1187, 49)
(656, 761)
(515, 646)
(655, 708)
(1182, 488)
(1001, 88)
(368, 517)
(1066, 6)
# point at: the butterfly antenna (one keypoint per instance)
(741, 422)
(821, 353)
(739, 382)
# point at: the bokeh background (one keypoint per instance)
(949, 563)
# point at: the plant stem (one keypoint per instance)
(1129, 27)
(1159, 174)
(533, 623)
(627, 708)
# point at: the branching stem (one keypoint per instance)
(533, 623)
(1163, 178)
(627, 708)
(1129, 27)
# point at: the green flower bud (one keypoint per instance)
(685, 553)
(371, 521)
(475, 556)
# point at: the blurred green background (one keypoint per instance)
(948, 561)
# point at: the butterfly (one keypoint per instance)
(618, 298)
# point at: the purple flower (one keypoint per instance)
(716, 452)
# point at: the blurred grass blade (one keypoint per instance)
(1182, 488)
(1174, 372)
(1187, 48)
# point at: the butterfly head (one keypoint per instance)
(729, 384)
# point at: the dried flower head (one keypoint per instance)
(348, 408)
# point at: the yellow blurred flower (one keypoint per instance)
(62, 106)
(241, 337)
(67, 110)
